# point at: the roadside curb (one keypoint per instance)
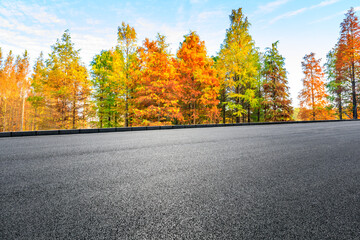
(126, 129)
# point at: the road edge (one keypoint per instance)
(127, 129)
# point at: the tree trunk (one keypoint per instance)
(223, 106)
(22, 113)
(4, 118)
(312, 95)
(353, 91)
(340, 107)
(248, 113)
(223, 113)
(194, 114)
(74, 115)
(126, 110)
(35, 120)
(238, 102)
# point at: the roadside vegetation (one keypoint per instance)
(145, 85)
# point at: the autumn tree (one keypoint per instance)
(156, 86)
(335, 82)
(40, 113)
(348, 58)
(105, 89)
(124, 60)
(199, 84)
(7, 91)
(240, 58)
(67, 85)
(276, 97)
(23, 83)
(223, 92)
(313, 98)
(14, 88)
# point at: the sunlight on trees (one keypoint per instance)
(145, 85)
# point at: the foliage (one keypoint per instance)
(276, 98)
(348, 60)
(156, 89)
(104, 86)
(198, 80)
(313, 98)
(240, 59)
(14, 89)
(147, 85)
(124, 63)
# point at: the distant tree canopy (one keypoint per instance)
(143, 85)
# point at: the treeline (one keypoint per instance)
(338, 95)
(131, 85)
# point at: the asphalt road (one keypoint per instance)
(296, 181)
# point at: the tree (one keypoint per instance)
(125, 58)
(223, 92)
(67, 85)
(335, 83)
(199, 84)
(14, 87)
(276, 98)
(37, 95)
(240, 58)
(348, 57)
(105, 89)
(156, 86)
(7, 92)
(23, 83)
(313, 98)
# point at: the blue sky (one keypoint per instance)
(301, 26)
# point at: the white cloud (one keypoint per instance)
(33, 12)
(301, 10)
(28, 26)
(197, 1)
(334, 15)
(271, 6)
(210, 14)
(324, 3)
(287, 15)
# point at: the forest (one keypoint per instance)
(145, 85)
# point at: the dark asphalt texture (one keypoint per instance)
(297, 181)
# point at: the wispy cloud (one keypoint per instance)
(271, 6)
(334, 15)
(324, 3)
(210, 14)
(28, 26)
(197, 1)
(287, 15)
(33, 12)
(301, 10)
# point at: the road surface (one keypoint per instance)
(296, 181)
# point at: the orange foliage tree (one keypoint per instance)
(348, 59)
(66, 86)
(313, 98)
(14, 89)
(199, 84)
(156, 86)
